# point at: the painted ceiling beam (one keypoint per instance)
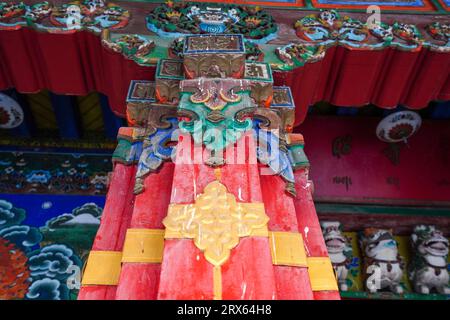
(112, 123)
(67, 116)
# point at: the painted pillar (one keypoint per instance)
(108, 243)
(320, 268)
(247, 272)
(140, 280)
(102, 270)
(292, 281)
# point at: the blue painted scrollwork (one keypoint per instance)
(156, 148)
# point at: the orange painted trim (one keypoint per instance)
(298, 3)
(427, 6)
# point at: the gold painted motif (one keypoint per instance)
(167, 91)
(171, 68)
(216, 221)
(102, 268)
(321, 274)
(281, 96)
(217, 282)
(144, 90)
(143, 245)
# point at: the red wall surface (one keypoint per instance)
(349, 163)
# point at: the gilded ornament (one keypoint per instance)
(216, 222)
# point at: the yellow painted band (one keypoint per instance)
(102, 268)
(321, 274)
(287, 249)
(143, 245)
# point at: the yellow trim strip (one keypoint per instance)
(217, 282)
(143, 245)
(102, 268)
(287, 249)
(321, 274)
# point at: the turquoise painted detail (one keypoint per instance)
(216, 129)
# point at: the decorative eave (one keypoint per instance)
(138, 44)
(420, 41)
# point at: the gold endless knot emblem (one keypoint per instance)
(216, 222)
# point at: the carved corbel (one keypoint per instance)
(295, 145)
(160, 123)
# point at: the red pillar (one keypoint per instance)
(114, 222)
(185, 273)
(139, 281)
(309, 226)
(292, 282)
(248, 273)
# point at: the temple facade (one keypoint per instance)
(288, 150)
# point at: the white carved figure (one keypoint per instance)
(428, 267)
(74, 17)
(383, 267)
(339, 251)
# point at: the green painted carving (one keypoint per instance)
(298, 157)
(132, 46)
(219, 127)
(126, 151)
